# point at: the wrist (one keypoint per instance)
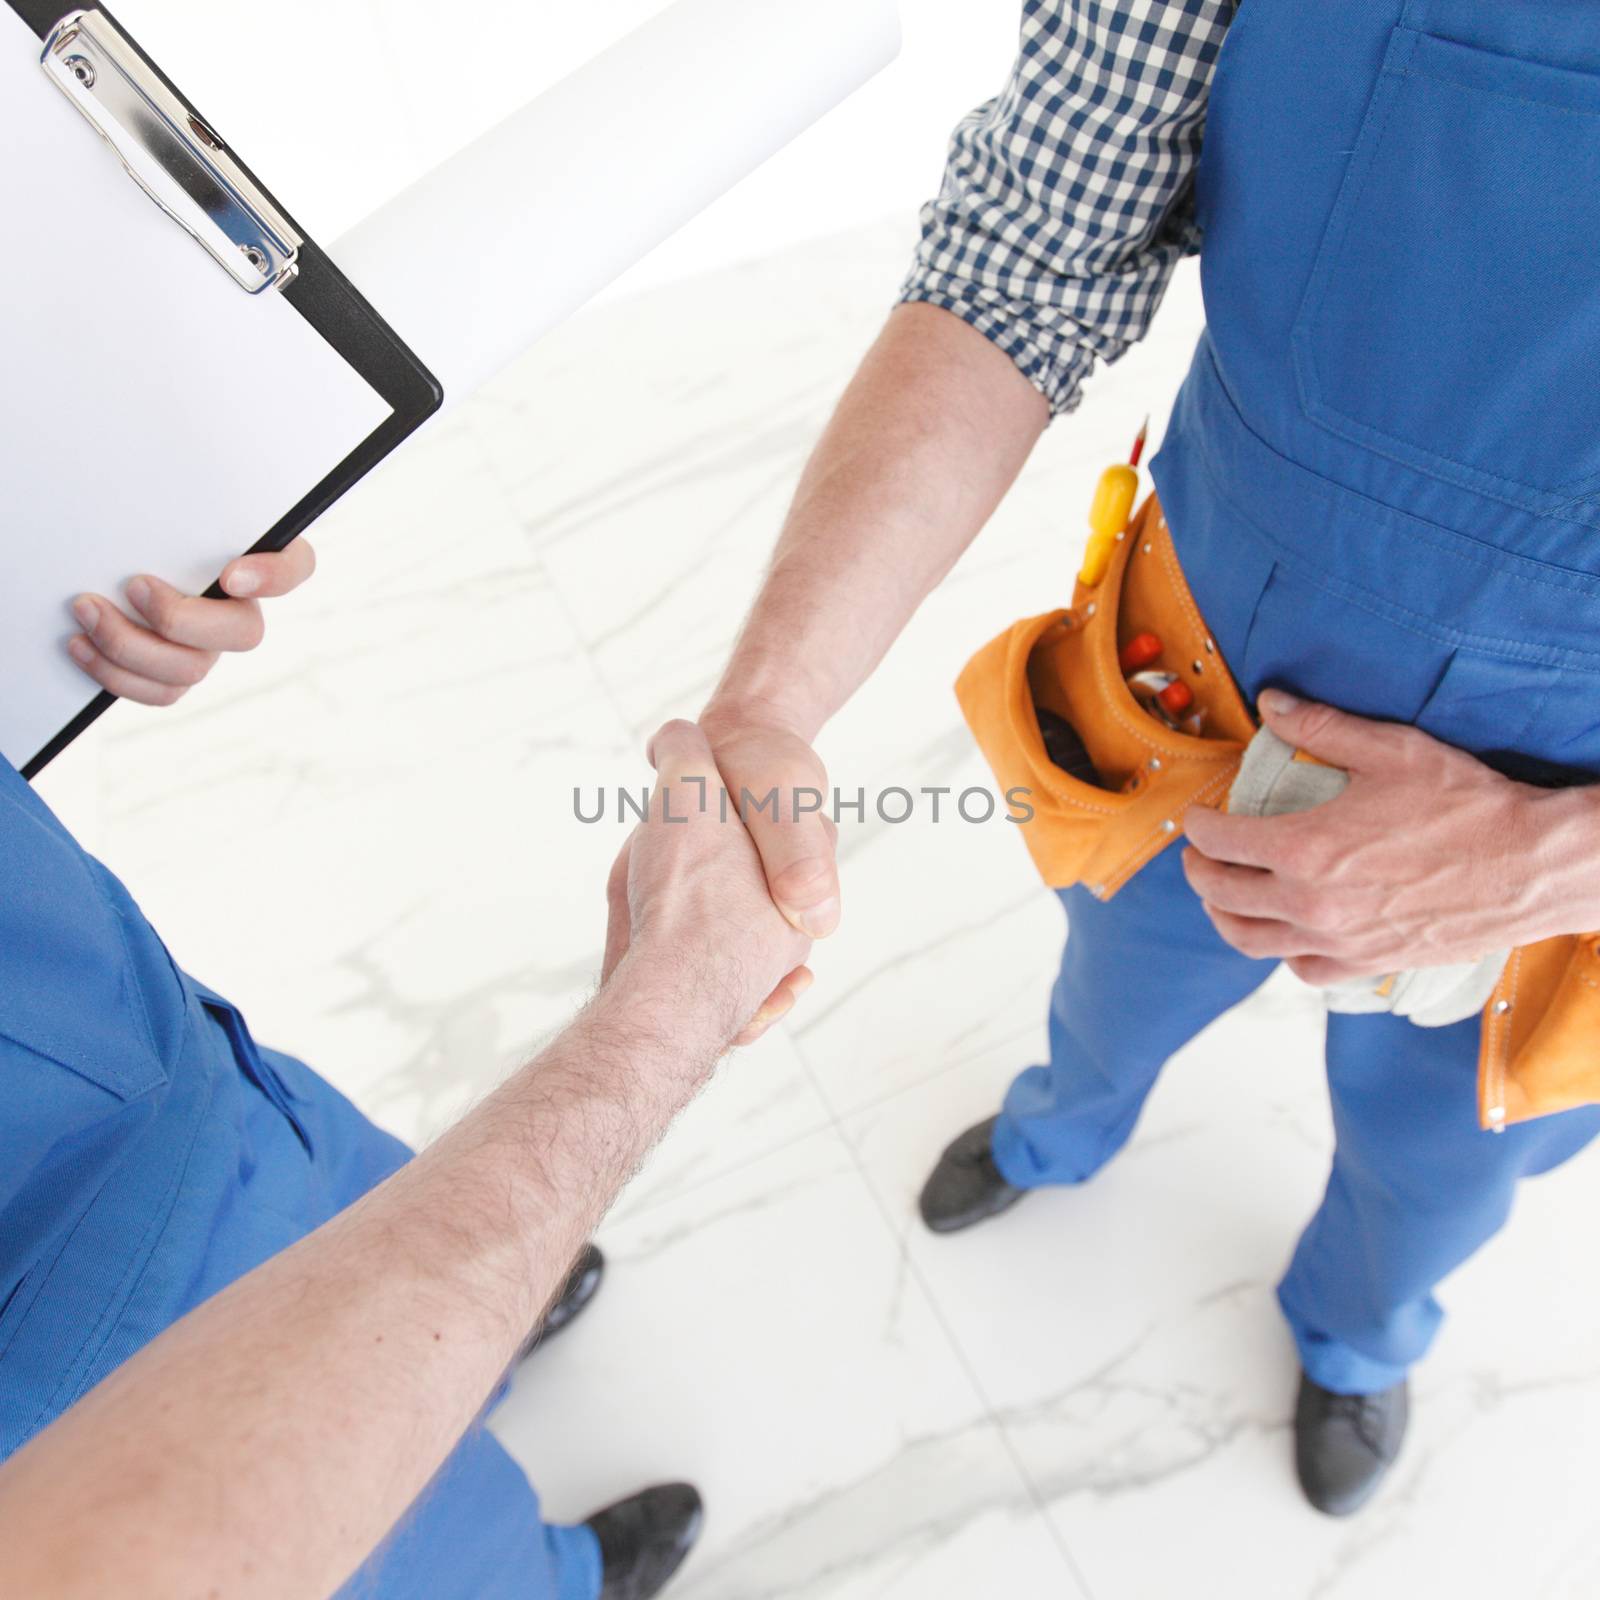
(675, 1020)
(1564, 825)
(777, 710)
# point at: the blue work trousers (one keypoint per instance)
(1417, 1185)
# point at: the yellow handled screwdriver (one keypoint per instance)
(1108, 516)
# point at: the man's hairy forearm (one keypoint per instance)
(927, 439)
(263, 1445)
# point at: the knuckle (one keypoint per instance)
(250, 629)
(113, 648)
(162, 611)
(1287, 851)
(108, 629)
(1315, 720)
(1300, 856)
(1309, 906)
(193, 671)
(1293, 904)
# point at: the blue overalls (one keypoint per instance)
(150, 1153)
(1383, 479)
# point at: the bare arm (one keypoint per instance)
(262, 1446)
(1066, 203)
(928, 438)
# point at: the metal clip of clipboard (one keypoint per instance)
(169, 152)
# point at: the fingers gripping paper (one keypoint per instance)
(501, 242)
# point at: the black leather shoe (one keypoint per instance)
(583, 1283)
(1345, 1443)
(966, 1186)
(644, 1539)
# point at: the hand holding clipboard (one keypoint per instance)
(161, 411)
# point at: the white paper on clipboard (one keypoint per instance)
(153, 416)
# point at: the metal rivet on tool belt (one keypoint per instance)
(1169, 826)
(1195, 666)
(1211, 649)
(1147, 549)
(1088, 610)
(1155, 763)
(1501, 1007)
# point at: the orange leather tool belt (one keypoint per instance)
(1539, 1046)
(1067, 662)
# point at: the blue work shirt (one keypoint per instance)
(150, 1150)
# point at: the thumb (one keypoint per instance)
(1336, 737)
(779, 789)
(792, 835)
(802, 877)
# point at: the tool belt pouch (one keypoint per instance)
(1066, 662)
(1539, 1045)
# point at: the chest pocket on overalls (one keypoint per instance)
(1452, 318)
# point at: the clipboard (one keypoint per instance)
(163, 407)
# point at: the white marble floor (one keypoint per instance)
(1088, 1398)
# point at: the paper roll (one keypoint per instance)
(495, 246)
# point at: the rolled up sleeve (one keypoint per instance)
(1068, 199)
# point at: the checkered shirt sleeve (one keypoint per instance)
(1068, 199)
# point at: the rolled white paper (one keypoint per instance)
(495, 246)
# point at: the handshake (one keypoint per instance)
(713, 904)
